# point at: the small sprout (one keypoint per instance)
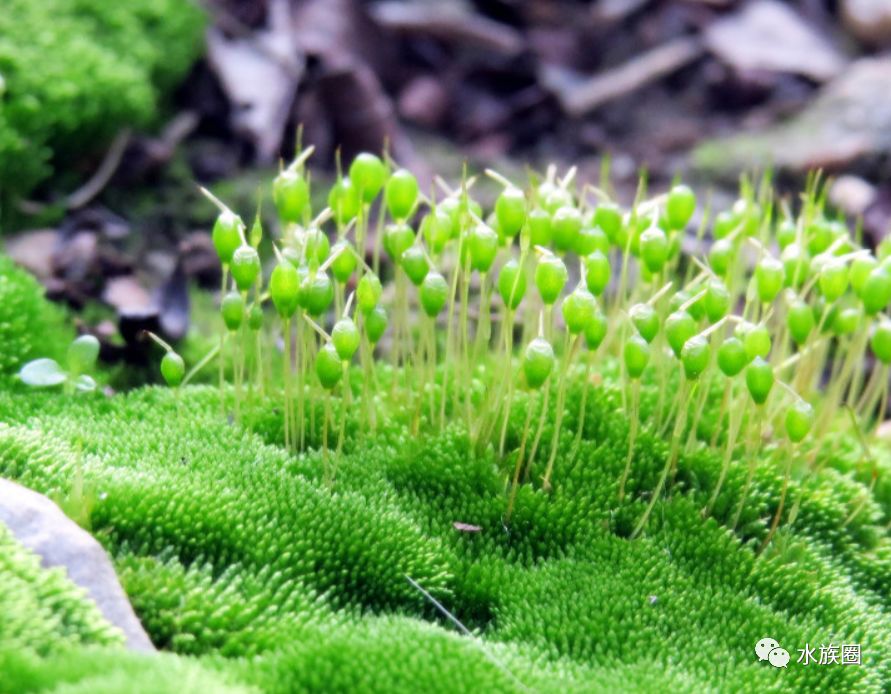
(799, 420)
(769, 278)
(414, 262)
(654, 248)
(540, 228)
(400, 194)
(82, 355)
(759, 380)
(636, 354)
(345, 338)
(695, 356)
(245, 267)
(597, 272)
(510, 211)
(679, 327)
(398, 238)
(329, 366)
(368, 293)
(482, 246)
(345, 261)
(290, 194)
(579, 309)
(732, 357)
(512, 284)
(376, 324)
(368, 174)
(232, 310)
(565, 227)
(550, 278)
(800, 321)
(434, 293)
(646, 320)
(538, 362)
(680, 206)
(173, 369)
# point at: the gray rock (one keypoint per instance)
(40, 525)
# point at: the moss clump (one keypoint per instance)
(76, 72)
(30, 326)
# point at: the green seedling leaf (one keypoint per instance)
(42, 373)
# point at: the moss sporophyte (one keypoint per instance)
(440, 320)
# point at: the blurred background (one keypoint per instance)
(111, 114)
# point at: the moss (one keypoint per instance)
(78, 71)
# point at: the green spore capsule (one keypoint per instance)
(880, 341)
(796, 265)
(550, 278)
(646, 320)
(579, 309)
(588, 240)
(819, 236)
(554, 197)
(860, 271)
(786, 233)
(595, 330)
(344, 201)
(82, 354)
(329, 367)
(414, 264)
(540, 233)
(847, 320)
(725, 222)
(290, 195)
(345, 338)
(434, 293)
(376, 322)
(400, 194)
(368, 174)
(436, 228)
(799, 420)
(256, 234)
(368, 293)
(232, 310)
(510, 210)
(512, 284)
(538, 362)
(597, 272)
(318, 247)
(876, 291)
(716, 300)
(284, 289)
(654, 248)
(769, 278)
(245, 267)
(732, 357)
(636, 354)
(398, 238)
(720, 256)
(695, 356)
(255, 318)
(756, 339)
(316, 293)
(345, 262)
(173, 369)
(565, 226)
(680, 206)
(833, 281)
(608, 217)
(226, 236)
(800, 321)
(482, 246)
(759, 380)
(679, 327)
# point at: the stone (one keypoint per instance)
(42, 527)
